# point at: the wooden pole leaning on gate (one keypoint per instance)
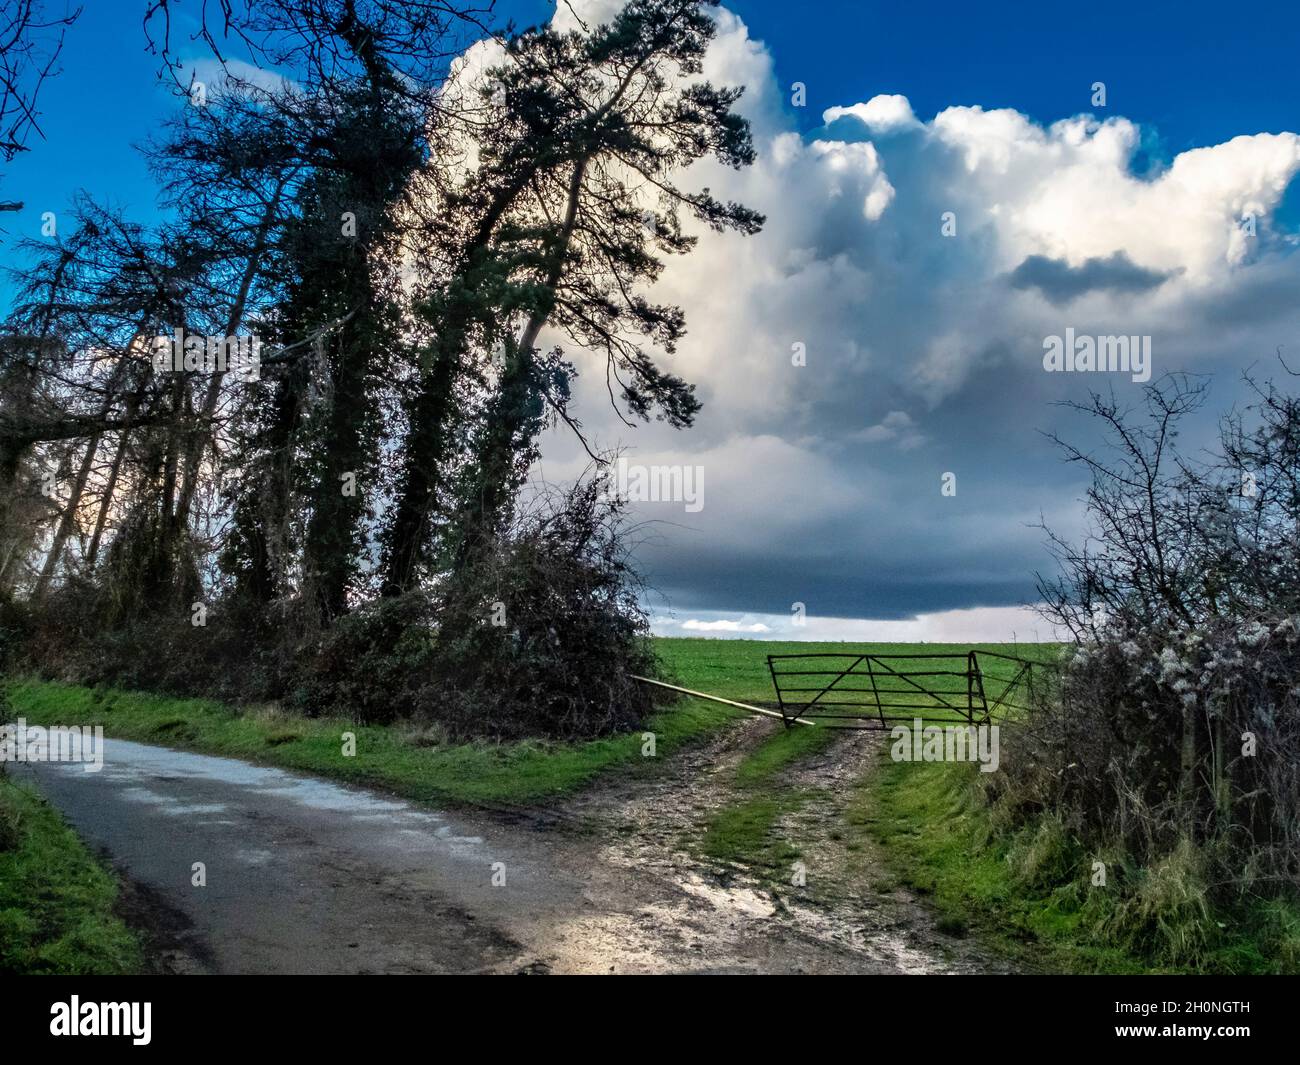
(719, 699)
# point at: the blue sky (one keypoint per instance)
(1196, 73)
(924, 353)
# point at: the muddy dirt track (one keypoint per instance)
(307, 876)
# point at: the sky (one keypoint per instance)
(945, 189)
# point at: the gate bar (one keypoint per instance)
(719, 699)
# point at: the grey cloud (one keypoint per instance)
(1062, 283)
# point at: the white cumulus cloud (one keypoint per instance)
(918, 265)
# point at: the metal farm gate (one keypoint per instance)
(874, 691)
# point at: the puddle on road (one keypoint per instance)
(170, 804)
(741, 900)
(254, 856)
(138, 769)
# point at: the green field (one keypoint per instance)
(737, 669)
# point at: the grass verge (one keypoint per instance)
(407, 763)
(56, 901)
(1027, 893)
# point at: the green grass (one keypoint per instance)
(386, 757)
(1026, 892)
(1021, 891)
(56, 901)
(937, 838)
(778, 752)
(745, 832)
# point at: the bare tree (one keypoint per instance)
(1139, 562)
(1176, 727)
(31, 41)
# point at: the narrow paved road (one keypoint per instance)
(307, 876)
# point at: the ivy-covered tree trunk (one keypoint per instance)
(426, 454)
(257, 550)
(517, 412)
(344, 296)
(345, 452)
(432, 411)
